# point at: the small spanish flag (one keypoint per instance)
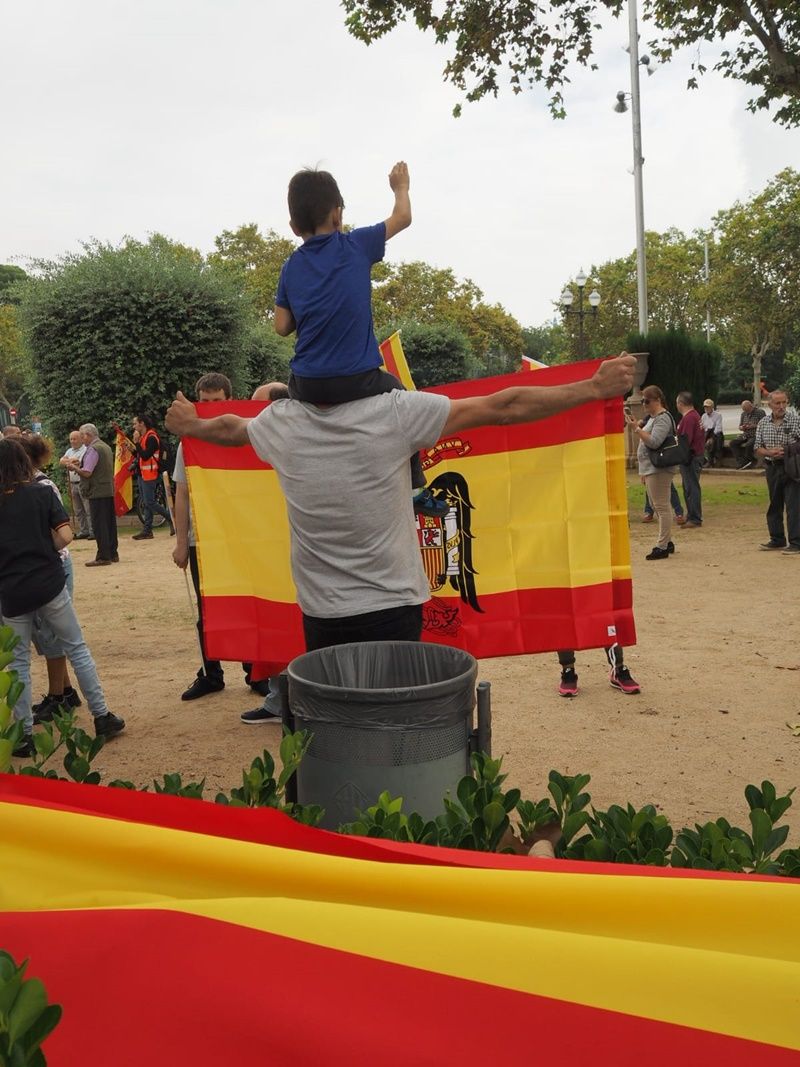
(123, 481)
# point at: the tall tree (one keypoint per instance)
(755, 274)
(676, 293)
(417, 292)
(116, 330)
(255, 259)
(537, 42)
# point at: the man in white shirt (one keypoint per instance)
(711, 421)
(80, 509)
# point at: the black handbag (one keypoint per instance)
(674, 450)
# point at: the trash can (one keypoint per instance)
(384, 715)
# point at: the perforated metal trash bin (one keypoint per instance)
(392, 715)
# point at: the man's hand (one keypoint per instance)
(180, 555)
(399, 177)
(614, 377)
(181, 417)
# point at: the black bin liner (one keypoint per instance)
(384, 685)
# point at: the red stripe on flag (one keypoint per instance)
(521, 621)
(267, 826)
(591, 420)
(179, 988)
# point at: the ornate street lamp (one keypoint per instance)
(567, 299)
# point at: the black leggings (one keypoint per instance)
(614, 655)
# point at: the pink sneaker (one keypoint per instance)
(620, 678)
(569, 683)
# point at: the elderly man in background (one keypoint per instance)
(80, 506)
(743, 446)
(711, 421)
(96, 471)
(781, 427)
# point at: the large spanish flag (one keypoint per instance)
(176, 931)
(531, 556)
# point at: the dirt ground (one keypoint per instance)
(717, 659)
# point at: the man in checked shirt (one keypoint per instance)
(777, 429)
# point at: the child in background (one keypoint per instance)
(325, 295)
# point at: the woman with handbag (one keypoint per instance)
(657, 426)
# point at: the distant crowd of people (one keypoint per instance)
(770, 437)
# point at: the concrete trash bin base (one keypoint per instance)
(384, 715)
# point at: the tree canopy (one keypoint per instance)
(537, 43)
(118, 330)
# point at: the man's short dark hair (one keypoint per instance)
(685, 399)
(148, 420)
(210, 383)
(313, 194)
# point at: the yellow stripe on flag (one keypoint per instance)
(677, 949)
(556, 535)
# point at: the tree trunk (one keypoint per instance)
(758, 351)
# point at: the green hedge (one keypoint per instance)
(677, 362)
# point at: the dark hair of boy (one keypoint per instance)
(212, 383)
(15, 466)
(147, 420)
(313, 194)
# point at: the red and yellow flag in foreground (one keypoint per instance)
(175, 931)
(531, 556)
(123, 481)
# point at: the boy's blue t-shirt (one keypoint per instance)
(325, 283)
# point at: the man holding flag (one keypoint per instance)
(354, 548)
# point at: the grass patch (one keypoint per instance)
(715, 492)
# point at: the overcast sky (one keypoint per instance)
(188, 118)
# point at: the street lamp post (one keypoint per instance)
(638, 159)
(567, 298)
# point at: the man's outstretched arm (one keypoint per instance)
(614, 377)
(183, 421)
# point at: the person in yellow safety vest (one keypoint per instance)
(148, 449)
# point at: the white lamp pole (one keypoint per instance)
(638, 161)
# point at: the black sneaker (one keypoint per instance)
(425, 503)
(108, 725)
(72, 697)
(25, 749)
(201, 687)
(569, 683)
(620, 678)
(658, 553)
(142, 536)
(262, 687)
(49, 707)
(772, 546)
(670, 547)
(259, 715)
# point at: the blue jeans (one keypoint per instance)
(147, 493)
(690, 476)
(44, 640)
(60, 615)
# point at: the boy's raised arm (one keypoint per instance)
(400, 218)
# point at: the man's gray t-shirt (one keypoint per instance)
(345, 473)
